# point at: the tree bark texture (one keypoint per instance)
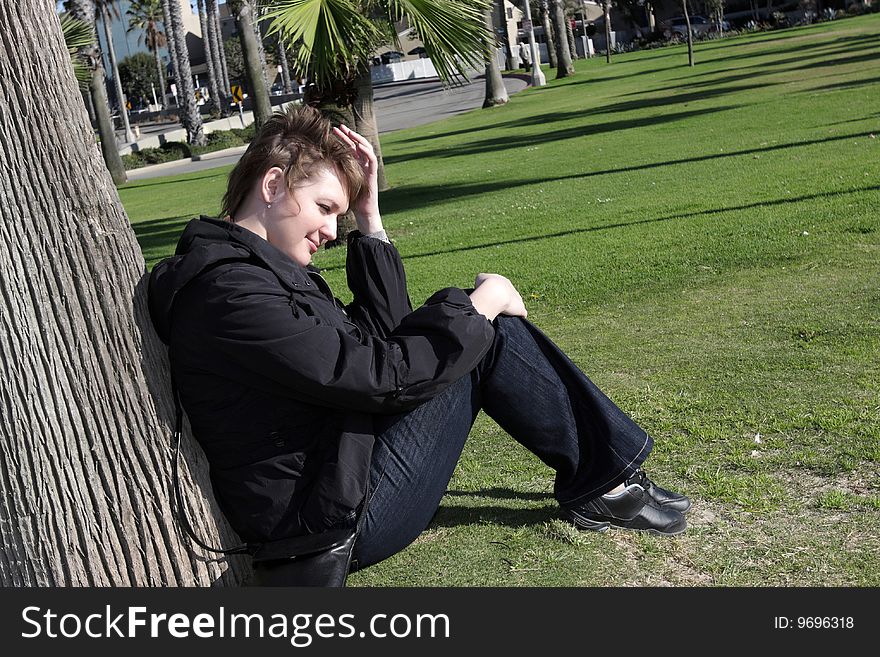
(285, 67)
(690, 36)
(209, 56)
(254, 71)
(606, 9)
(87, 413)
(564, 66)
(365, 123)
(117, 82)
(172, 49)
(548, 35)
(160, 70)
(496, 92)
(218, 34)
(189, 114)
(572, 48)
(258, 35)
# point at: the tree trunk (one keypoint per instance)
(690, 37)
(87, 408)
(549, 37)
(365, 119)
(606, 9)
(258, 35)
(218, 33)
(109, 149)
(250, 52)
(564, 66)
(285, 67)
(117, 83)
(172, 51)
(84, 10)
(161, 72)
(572, 48)
(213, 89)
(496, 92)
(186, 93)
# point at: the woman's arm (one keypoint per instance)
(255, 335)
(377, 280)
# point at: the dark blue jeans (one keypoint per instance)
(537, 395)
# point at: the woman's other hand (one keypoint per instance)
(495, 295)
(366, 208)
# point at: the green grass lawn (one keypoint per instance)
(705, 243)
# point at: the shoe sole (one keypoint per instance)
(656, 532)
(599, 526)
(585, 524)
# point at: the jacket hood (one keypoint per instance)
(205, 243)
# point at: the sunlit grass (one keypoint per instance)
(705, 244)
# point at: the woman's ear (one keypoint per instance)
(271, 185)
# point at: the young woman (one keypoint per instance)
(317, 417)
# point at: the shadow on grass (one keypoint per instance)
(453, 516)
(768, 68)
(824, 55)
(839, 86)
(501, 494)
(626, 224)
(405, 198)
(160, 235)
(503, 143)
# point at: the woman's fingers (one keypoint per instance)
(360, 139)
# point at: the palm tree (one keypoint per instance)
(145, 15)
(690, 35)
(84, 11)
(87, 405)
(213, 90)
(334, 40)
(220, 50)
(563, 54)
(77, 35)
(215, 42)
(255, 72)
(187, 109)
(548, 34)
(496, 92)
(105, 8)
(281, 58)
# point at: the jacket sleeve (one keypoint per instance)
(244, 326)
(378, 282)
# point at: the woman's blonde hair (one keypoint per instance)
(300, 142)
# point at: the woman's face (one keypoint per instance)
(302, 219)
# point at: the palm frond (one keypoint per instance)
(330, 38)
(77, 35)
(452, 30)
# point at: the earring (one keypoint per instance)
(268, 206)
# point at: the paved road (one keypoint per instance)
(398, 106)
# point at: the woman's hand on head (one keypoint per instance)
(366, 208)
(495, 295)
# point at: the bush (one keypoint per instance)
(167, 152)
(246, 134)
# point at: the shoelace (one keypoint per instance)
(640, 477)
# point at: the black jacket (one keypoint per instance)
(280, 380)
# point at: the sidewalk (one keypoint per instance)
(187, 165)
(396, 110)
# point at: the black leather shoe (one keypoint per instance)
(665, 498)
(634, 508)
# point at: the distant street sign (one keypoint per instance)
(237, 94)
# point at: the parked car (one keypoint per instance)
(391, 56)
(699, 25)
